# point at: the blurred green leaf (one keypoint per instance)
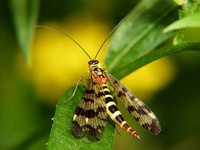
(180, 2)
(192, 21)
(138, 35)
(61, 137)
(25, 14)
(187, 8)
(165, 51)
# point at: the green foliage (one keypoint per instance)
(25, 13)
(138, 36)
(192, 21)
(137, 41)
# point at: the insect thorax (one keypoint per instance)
(97, 72)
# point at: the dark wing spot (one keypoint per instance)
(115, 82)
(101, 109)
(90, 113)
(100, 94)
(88, 100)
(121, 94)
(143, 110)
(95, 132)
(79, 111)
(77, 130)
(154, 127)
(124, 89)
(132, 98)
(90, 91)
(131, 109)
(137, 119)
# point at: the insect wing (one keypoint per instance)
(90, 115)
(136, 107)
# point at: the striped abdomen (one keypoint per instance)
(115, 114)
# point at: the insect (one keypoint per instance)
(97, 103)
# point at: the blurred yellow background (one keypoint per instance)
(57, 62)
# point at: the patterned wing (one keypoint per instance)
(136, 107)
(90, 115)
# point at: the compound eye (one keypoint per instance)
(93, 62)
(90, 62)
(96, 61)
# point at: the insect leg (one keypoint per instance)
(74, 92)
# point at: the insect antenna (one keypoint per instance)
(108, 37)
(62, 32)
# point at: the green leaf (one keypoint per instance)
(138, 35)
(165, 51)
(61, 137)
(192, 21)
(187, 9)
(181, 2)
(25, 13)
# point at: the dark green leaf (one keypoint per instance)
(186, 11)
(192, 21)
(165, 51)
(138, 35)
(25, 13)
(61, 137)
